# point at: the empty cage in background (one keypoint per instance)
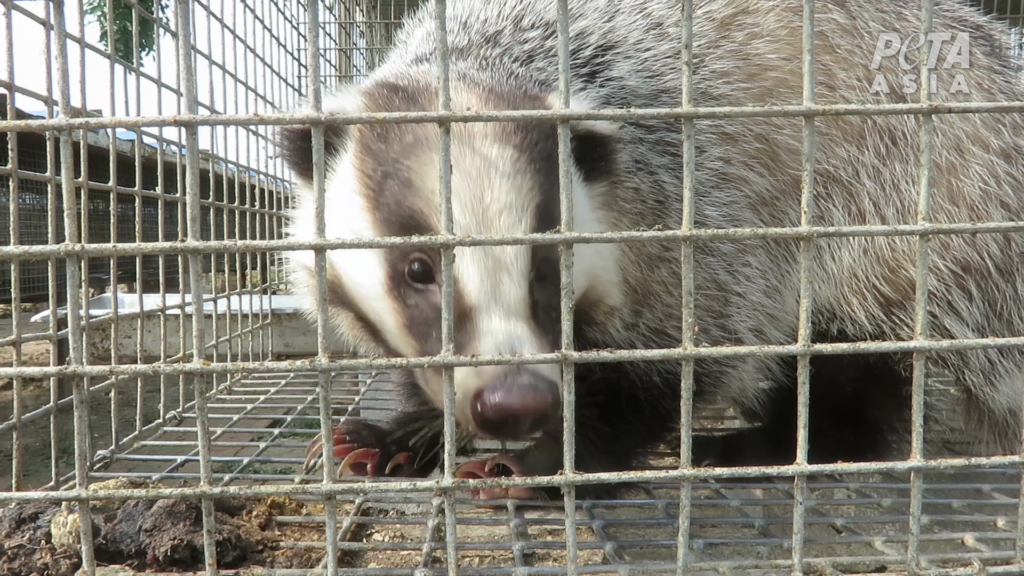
(144, 193)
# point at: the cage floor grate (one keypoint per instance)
(260, 427)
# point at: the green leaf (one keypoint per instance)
(123, 12)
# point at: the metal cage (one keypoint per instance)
(141, 193)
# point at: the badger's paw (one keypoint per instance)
(498, 466)
(360, 453)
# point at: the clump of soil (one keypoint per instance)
(41, 538)
(168, 534)
(25, 546)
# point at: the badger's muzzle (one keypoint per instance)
(516, 405)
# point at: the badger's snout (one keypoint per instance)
(517, 404)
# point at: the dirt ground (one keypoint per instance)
(276, 533)
(34, 436)
(40, 452)
(165, 535)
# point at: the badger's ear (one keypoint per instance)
(594, 142)
(295, 143)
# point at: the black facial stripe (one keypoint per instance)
(545, 305)
(337, 296)
(422, 306)
(383, 153)
(396, 200)
(593, 155)
(539, 141)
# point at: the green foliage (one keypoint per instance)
(124, 23)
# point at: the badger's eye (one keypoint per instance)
(419, 271)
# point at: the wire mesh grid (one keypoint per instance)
(355, 37)
(140, 397)
(262, 424)
(119, 186)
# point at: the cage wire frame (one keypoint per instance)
(254, 215)
(239, 368)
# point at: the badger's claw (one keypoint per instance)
(404, 459)
(355, 460)
(360, 462)
(342, 447)
(500, 466)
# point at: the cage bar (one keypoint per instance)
(147, 206)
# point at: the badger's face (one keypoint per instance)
(384, 180)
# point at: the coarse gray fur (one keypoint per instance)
(626, 54)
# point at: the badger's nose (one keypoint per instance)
(516, 405)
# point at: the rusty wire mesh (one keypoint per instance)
(163, 189)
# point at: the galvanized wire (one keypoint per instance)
(613, 355)
(74, 278)
(621, 115)
(804, 328)
(260, 426)
(689, 322)
(566, 292)
(767, 525)
(320, 267)
(444, 102)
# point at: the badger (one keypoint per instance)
(383, 180)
